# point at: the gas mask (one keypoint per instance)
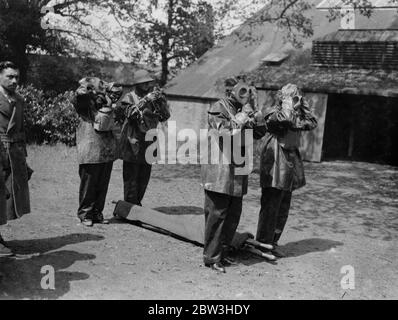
(290, 97)
(242, 93)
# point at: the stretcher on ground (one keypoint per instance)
(187, 226)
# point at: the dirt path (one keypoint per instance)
(346, 215)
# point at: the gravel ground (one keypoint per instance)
(346, 215)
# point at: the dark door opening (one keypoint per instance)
(361, 128)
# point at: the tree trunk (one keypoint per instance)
(165, 69)
(22, 61)
(166, 43)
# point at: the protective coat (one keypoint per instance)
(281, 166)
(223, 178)
(132, 142)
(93, 146)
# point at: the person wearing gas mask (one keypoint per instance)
(144, 108)
(281, 167)
(96, 145)
(223, 184)
(15, 173)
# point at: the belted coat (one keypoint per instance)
(281, 166)
(225, 178)
(15, 171)
(3, 189)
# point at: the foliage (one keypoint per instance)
(49, 119)
(23, 29)
(56, 75)
(52, 77)
(20, 31)
(180, 35)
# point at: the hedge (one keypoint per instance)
(49, 119)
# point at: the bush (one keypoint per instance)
(49, 119)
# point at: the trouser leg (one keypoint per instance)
(3, 196)
(282, 215)
(104, 176)
(144, 177)
(136, 177)
(231, 221)
(90, 178)
(270, 203)
(130, 182)
(222, 214)
(10, 203)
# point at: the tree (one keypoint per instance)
(170, 32)
(175, 32)
(289, 15)
(23, 31)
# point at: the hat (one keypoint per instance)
(231, 82)
(142, 76)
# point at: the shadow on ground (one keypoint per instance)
(291, 249)
(181, 210)
(303, 247)
(21, 276)
(183, 223)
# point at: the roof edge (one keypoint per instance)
(389, 93)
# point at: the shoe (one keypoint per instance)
(216, 267)
(100, 219)
(278, 253)
(228, 261)
(103, 221)
(5, 252)
(87, 222)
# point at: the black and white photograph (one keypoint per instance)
(219, 153)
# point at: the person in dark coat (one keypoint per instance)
(96, 145)
(4, 194)
(15, 171)
(281, 167)
(138, 119)
(224, 185)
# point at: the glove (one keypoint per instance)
(242, 118)
(248, 109)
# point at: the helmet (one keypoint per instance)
(142, 76)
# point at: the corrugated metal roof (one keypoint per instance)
(233, 56)
(326, 80)
(360, 36)
(359, 49)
